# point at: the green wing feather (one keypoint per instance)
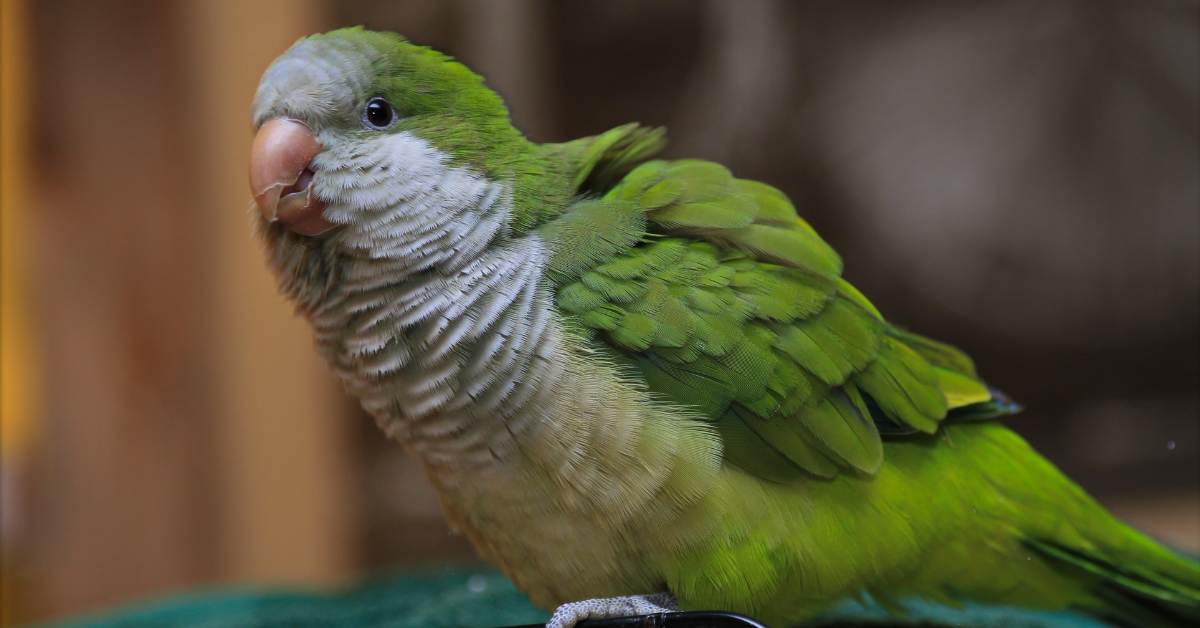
(603, 160)
(724, 300)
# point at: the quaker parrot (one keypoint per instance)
(640, 384)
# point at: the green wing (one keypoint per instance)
(722, 299)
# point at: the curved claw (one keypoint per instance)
(568, 615)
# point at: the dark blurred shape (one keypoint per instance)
(1030, 165)
(403, 522)
(1129, 443)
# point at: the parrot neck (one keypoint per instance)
(424, 303)
(447, 358)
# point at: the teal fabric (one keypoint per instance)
(926, 615)
(464, 597)
(452, 597)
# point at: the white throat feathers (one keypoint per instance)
(423, 303)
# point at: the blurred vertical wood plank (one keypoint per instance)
(190, 433)
(19, 368)
(122, 502)
(286, 498)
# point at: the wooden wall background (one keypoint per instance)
(178, 430)
(188, 433)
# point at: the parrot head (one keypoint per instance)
(352, 125)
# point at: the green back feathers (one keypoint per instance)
(722, 299)
(605, 159)
(585, 168)
(702, 199)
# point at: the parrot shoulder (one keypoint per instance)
(713, 292)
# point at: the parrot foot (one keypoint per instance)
(568, 614)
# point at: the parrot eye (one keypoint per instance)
(378, 114)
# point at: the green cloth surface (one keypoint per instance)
(463, 597)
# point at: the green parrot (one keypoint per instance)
(642, 385)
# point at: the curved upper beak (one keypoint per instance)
(281, 174)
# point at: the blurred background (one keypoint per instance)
(1019, 178)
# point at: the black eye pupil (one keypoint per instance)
(379, 113)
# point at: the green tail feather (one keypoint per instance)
(1152, 589)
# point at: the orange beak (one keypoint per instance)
(281, 177)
